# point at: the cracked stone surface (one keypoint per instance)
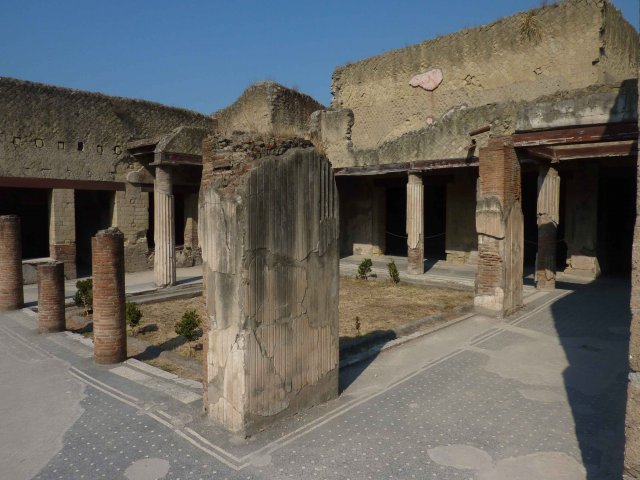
(269, 229)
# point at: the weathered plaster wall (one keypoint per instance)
(268, 228)
(270, 109)
(42, 125)
(362, 216)
(490, 74)
(461, 242)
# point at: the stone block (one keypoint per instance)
(269, 235)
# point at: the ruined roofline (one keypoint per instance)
(271, 88)
(67, 91)
(454, 36)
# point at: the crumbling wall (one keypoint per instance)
(54, 132)
(268, 227)
(268, 108)
(489, 73)
(131, 216)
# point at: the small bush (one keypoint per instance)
(84, 296)
(393, 271)
(188, 326)
(133, 314)
(364, 269)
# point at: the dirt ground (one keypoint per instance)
(374, 305)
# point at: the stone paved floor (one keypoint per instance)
(536, 396)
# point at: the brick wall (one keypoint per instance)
(51, 312)
(11, 293)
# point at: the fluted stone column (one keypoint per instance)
(415, 224)
(11, 293)
(109, 327)
(164, 228)
(548, 219)
(51, 297)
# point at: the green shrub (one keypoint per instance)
(393, 271)
(133, 314)
(188, 326)
(84, 296)
(364, 269)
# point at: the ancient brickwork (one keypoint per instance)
(268, 108)
(548, 218)
(269, 234)
(499, 223)
(11, 292)
(51, 308)
(62, 229)
(54, 132)
(632, 419)
(131, 216)
(109, 328)
(573, 47)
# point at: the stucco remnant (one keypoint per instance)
(428, 80)
(268, 226)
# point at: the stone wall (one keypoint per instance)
(461, 243)
(131, 216)
(490, 73)
(62, 229)
(269, 234)
(268, 108)
(55, 132)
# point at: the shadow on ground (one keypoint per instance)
(593, 328)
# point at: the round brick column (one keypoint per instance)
(51, 297)
(11, 293)
(109, 329)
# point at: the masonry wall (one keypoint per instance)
(131, 216)
(489, 74)
(268, 108)
(54, 132)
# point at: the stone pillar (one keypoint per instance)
(164, 228)
(581, 229)
(109, 328)
(548, 219)
(269, 235)
(499, 222)
(62, 229)
(51, 316)
(632, 418)
(11, 292)
(415, 224)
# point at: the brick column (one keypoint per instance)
(548, 219)
(11, 293)
(632, 419)
(499, 223)
(62, 229)
(164, 228)
(51, 297)
(109, 329)
(415, 224)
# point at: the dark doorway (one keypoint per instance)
(178, 203)
(530, 214)
(616, 218)
(94, 209)
(32, 206)
(396, 232)
(435, 219)
(151, 241)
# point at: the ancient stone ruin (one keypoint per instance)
(269, 233)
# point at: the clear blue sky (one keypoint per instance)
(202, 54)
